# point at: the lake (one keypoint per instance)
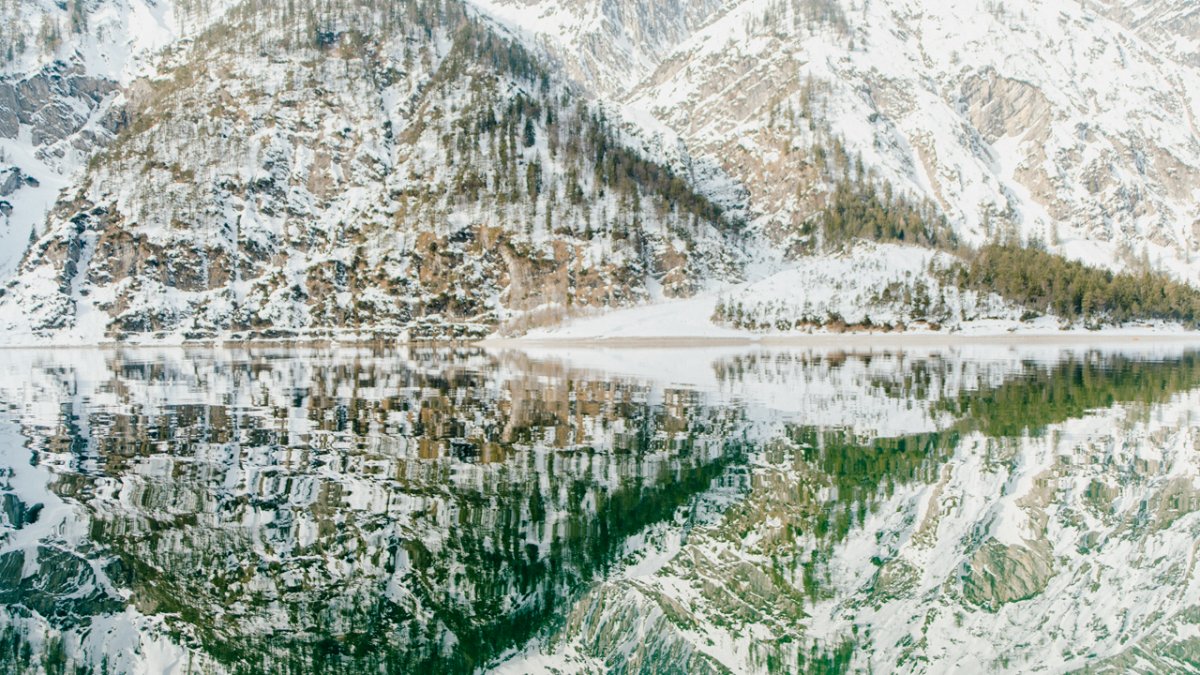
(969, 508)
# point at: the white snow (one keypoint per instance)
(845, 286)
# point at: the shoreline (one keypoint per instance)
(874, 339)
(847, 340)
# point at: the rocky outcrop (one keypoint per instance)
(609, 46)
(999, 107)
(443, 194)
(13, 179)
(630, 630)
(55, 102)
(998, 574)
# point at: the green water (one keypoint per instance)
(457, 511)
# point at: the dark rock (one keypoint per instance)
(11, 180)
(56, 102)
(10, 123)
(17, 512)
(63, 589)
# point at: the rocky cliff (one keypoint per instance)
(1068, 123)
(402, 170)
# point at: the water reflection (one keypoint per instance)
(450, 510)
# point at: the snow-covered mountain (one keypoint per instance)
(191, 170)
(64, 71)
(1071, 121)
(316, 170)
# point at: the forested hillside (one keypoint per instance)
(388, 168)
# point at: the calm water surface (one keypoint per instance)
(971, 509)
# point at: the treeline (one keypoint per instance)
(782, 16)
(547, 148)
(478, 44)
(268, 26)
(1047, 282)
(620, 168)
(859, 210)
(15, 31)
(1027, 275)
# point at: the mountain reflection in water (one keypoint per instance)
(454, 510)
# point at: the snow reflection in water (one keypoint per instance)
(450, 510)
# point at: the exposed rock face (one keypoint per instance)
(1170, 25)
(999, 107)
(12, 179)
(612, 44)
(51, 120)
(609, 620)
(55, 102)
(419, 177)
(63, 70)
(999, 574)
(1070, 123)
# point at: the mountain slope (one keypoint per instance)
(992, 543)
(1070, 123)
(63, 66)
(303, 171)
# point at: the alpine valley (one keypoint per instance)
(208, 170)
(624, 336)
